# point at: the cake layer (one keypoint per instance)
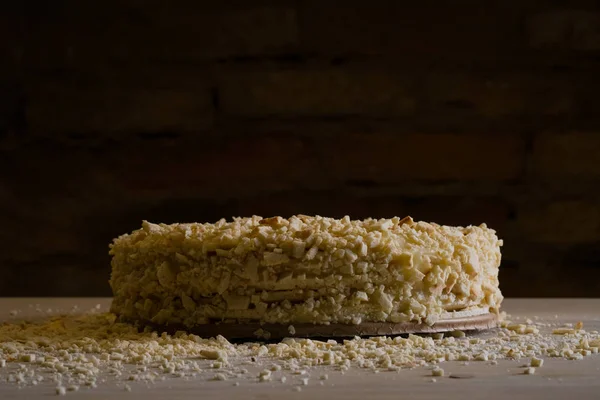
(303, 270)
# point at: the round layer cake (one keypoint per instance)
(304, 270)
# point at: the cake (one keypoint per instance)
(304, 270)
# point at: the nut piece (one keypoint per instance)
(264, 375)
(219, 377)
(406, 220)
(536, 362)
(273, 221)
(458, 334)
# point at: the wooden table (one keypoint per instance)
(557, 379)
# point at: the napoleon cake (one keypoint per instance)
(307, 276)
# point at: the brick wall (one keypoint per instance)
(458, 112)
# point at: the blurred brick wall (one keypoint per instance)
(459, 112)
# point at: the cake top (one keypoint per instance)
(299, 226)
(300, 235)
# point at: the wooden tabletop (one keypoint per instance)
(558, 379)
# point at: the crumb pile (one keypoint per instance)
(82, 351)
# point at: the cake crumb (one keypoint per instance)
(219, 377)
(264, 375)
(458, 334)
(536, 362)
(114, 353)
(28, 358)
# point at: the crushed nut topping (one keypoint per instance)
(303, 270)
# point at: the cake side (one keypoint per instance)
(304, 270)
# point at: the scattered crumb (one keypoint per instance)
(300, 372)
(536, 362)
(564, 331)
(264, 375)
(219, 377)
(88, 350)
(28, 358)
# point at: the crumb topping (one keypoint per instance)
(304, 270)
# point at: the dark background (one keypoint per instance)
(459, 112)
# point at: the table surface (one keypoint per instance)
(557, 379)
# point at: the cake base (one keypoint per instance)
(450, 322)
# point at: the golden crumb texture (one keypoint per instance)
(304, 269)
